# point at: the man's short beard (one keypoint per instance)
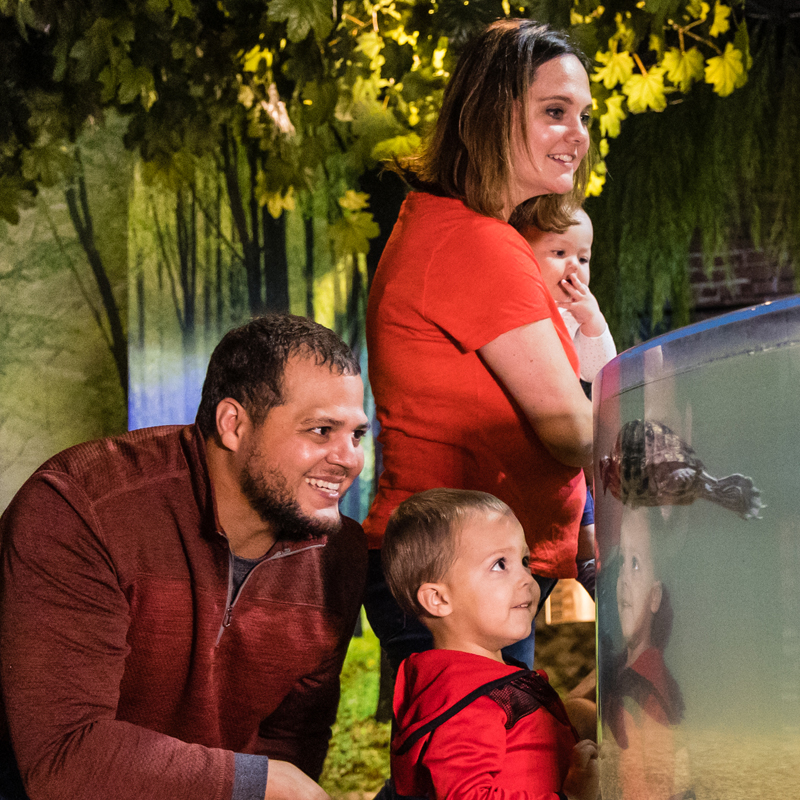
(270, 498)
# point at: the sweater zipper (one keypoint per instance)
(230, 600)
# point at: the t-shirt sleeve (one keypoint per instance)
(484, 282)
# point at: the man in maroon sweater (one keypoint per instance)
(177, 601)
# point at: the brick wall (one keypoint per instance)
(750, 278)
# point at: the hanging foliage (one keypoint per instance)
(694, 178)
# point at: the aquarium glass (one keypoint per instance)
(697, 486)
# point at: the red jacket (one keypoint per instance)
(125, 672)
(513, 743)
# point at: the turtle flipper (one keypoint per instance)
(736, 493)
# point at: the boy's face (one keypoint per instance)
(492, 595)
(561, 255)
(638, 591)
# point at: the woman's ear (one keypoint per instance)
(434, 598)
(656, 593)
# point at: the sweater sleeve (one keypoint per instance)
(63, 629)
(466, 754)
(594, 352)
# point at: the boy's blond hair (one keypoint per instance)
(420, 542)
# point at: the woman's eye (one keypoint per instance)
(556, 113)
(499, 565)
(586, 119)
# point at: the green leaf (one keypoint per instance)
(301, 16)
(46, 164)
(351, 233)
(13, 196)
(397, 146)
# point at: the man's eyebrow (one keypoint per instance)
(332, 422)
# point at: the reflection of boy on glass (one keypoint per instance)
(646, 702)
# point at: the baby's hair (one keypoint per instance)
(420, 542)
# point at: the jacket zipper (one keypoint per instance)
(230, 600)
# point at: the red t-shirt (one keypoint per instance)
(450, 281)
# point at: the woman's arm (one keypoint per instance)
(532, 365)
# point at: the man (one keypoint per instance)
(177, 602)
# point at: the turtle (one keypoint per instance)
(651, 465)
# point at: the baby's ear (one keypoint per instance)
(433, 597)
(656, 593)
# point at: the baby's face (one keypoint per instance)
(561, 255)
(491, 589)
(638, 591)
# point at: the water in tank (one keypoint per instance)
(697, 486)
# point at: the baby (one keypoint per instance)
(564, 261)
(467, 723)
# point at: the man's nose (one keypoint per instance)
(346, 453)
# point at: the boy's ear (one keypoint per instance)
(656, 593)
(434, 598)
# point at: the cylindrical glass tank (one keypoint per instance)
(697, 487)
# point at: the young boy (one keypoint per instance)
(469, 725)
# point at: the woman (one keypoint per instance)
(473, 371)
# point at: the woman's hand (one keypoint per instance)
(531, 363)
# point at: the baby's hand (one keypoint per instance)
(583, 779)
(583, 306)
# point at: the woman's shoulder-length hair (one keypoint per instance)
(467, 154)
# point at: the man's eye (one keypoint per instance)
(499, 565)
(359, 435)
(322, 430)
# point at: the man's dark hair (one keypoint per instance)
(249, 363)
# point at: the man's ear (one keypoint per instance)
(232, 422)
(435, 599)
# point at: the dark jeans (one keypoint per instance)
(401, 635)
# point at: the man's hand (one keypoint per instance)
(286, 782)
(583, 779)
(583, 306)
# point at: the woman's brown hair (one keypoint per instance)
(467, 155)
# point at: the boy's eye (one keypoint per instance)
(499, 565)
(526, 561)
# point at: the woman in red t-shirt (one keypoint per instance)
(473, 372)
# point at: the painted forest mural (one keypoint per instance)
(169, 168)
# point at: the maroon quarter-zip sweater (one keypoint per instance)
(127, 669)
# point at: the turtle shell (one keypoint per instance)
(651, 465)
